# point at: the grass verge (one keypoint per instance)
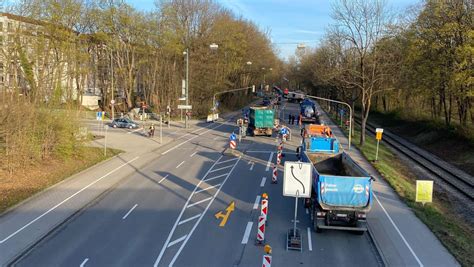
(450, 228)
(25, 183)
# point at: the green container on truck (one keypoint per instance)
(261, 121)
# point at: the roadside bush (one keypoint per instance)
(32, 134)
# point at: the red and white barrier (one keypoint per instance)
(233, 144)
(275, 175)
(264, 209)
(261, 230)
(267, 261)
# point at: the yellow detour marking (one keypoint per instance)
(378, 133)
(424, 191)
(225, 216)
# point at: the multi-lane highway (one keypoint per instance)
(163, 214)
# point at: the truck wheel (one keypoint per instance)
(316, 224)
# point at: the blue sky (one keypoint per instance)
(288, 21)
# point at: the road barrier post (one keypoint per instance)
(261, 231)
(275, 175)
(264, 207)
(267, 260)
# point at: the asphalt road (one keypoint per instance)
(163, 214)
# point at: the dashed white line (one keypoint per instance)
(172, 243)
(199, 202)
(398, 231)
(257, 202)
(251, 166)
(310, 243)
(189, 219)
(84, 262)
(179, 165)
(207, 188)
(130, 211)
(245, 238)
(269, 162)
(162, 179)
(262, 183)
(193, 154)
(67, 199)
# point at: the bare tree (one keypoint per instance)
(361, 24)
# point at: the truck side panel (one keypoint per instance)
(341, 191)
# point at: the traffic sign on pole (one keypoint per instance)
(297, 179)
(185, 107)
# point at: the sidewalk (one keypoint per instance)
(401, 238)
(34, 218)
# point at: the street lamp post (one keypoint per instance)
(350, 113)
(186, 53)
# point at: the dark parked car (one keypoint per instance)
(124, 123)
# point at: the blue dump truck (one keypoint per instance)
(261, 121)
(308, 111)
(319, 139)
(341, 194)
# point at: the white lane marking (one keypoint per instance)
(199, 202)
(177, 241)
(207, 188)
(251, 166)
(130, 211)
(219, 176)
(179, 216)
(398, 231)
(193, 154)
(189, 219)
(227, 161)
(221, 168)
(200, 218)
(307, 211)
(182, 143)
(180, 164)
(257, 202)
(269, 161)
(310, 243)
(139, 129)
(64, 201)
(245, 238)
(162, 179)
(84, 262)
(262, 183)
